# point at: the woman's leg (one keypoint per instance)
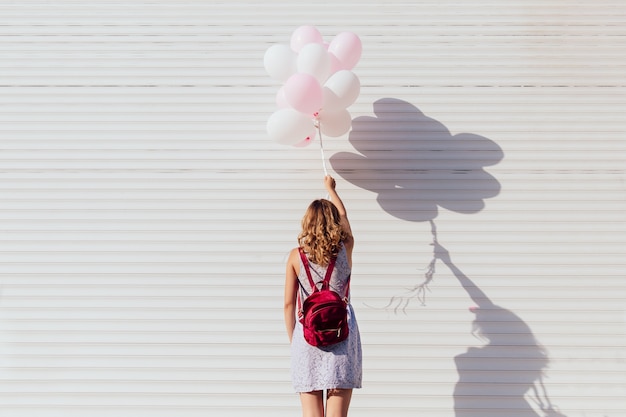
(312, 404)
(338, 402)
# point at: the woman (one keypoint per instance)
(336, 369)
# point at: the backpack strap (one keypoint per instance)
(305, 262)
(325, 283)
(308, 274)
(329, 271)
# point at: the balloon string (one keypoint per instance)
(319, 129)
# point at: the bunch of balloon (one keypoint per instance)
(319, 86)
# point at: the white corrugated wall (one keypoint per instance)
(145, 216)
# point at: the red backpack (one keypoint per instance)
(324, 313)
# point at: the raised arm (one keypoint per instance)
(330, 184)
(476, 294)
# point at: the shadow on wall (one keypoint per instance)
(416, 166)
(506, 374)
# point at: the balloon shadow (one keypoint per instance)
(416, 165)
(505, 374)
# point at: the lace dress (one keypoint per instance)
(335, 366)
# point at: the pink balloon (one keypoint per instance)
(346, 46)
(304, 93)
(303, 35)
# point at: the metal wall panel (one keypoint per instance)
(145, 216)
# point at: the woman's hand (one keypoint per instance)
(329, 183)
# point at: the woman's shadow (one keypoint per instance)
(506, 373)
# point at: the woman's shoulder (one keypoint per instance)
(294, 256)
(294, 253)
(348, 245)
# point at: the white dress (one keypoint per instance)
(336, 366)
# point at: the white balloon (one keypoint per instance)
(314, 59)
(341, 90)
(290, 127)
(335, 123)
(335, 65)
(306, 142)
(280, 62)
(281, 99)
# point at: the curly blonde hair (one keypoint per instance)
(322, 234)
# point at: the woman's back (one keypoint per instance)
(340, 277)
